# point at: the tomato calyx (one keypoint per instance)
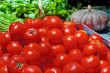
(19, 65)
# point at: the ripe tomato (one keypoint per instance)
(95, 37)
(73, 67)
(1, 63)
(58, 49)
(44, 39)
(30, 54)
(91, 64)
(4, 69)
(76, 55)
(45, 48)
(69, 42)
(5, 57)
(53, 70)
(61, 60)
(5, 39)
(16, 64)
(44, 21)
(105, 69)
(69, 30)
(43, 31)
(32, 69)
(54, 22)
(103, 51)
(16, 29)
(1, 51)
(55, 36)
(33, 23)
(14, 48)
(90, 49)
(33, 45)
(68, 23)
(82, 38)
(31, 35)
(103, 63)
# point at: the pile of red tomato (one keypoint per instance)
(50, 45)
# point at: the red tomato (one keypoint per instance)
(68, 23)
(31, 35)
(45, 48)
(16, 29)
(61, 60)
(44, 39)
(95, 37)
(54, 22)
(44, 21)
(1, 51)
(16, 64)
(38, 23)
(105, 69)
(33, 45)
(43, 31)
(14, 48)
(32, 69)
(55, 36)
(90, 49)
(82, 38)
(5, 57)
(91, 64)
(58, 49)
(5, 39)
(4, 69)
(73, 67)
(69, 30)
(69, 42)
(1, 63)
(76, 55)
(53, 70)
(103, 51)
(108, 57)
(103, 63)
(30, 54)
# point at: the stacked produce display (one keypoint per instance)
(50, 45)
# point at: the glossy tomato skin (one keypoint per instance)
(69, 42)
(91, 64)
(55, 36)
(69, 30)
(4, 69)
(90, 49)
(76, 55)
(103, 63)
(105, 69)
(14, 48)
(31, 35)
(33, 45)
(44, 39)
(95, 37)
(16, 29)
(33, 23)
(5, 57)
(16, 64)
(61, 60)
(43, 31)
(53, 70)
(1, 51)
(82, 38)
(54, 22)
(32, 69)
(44, 21)
(103, 51)
(5, 39)
(30, 54)
(68, 23)
(73, 67)
(58, 49)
